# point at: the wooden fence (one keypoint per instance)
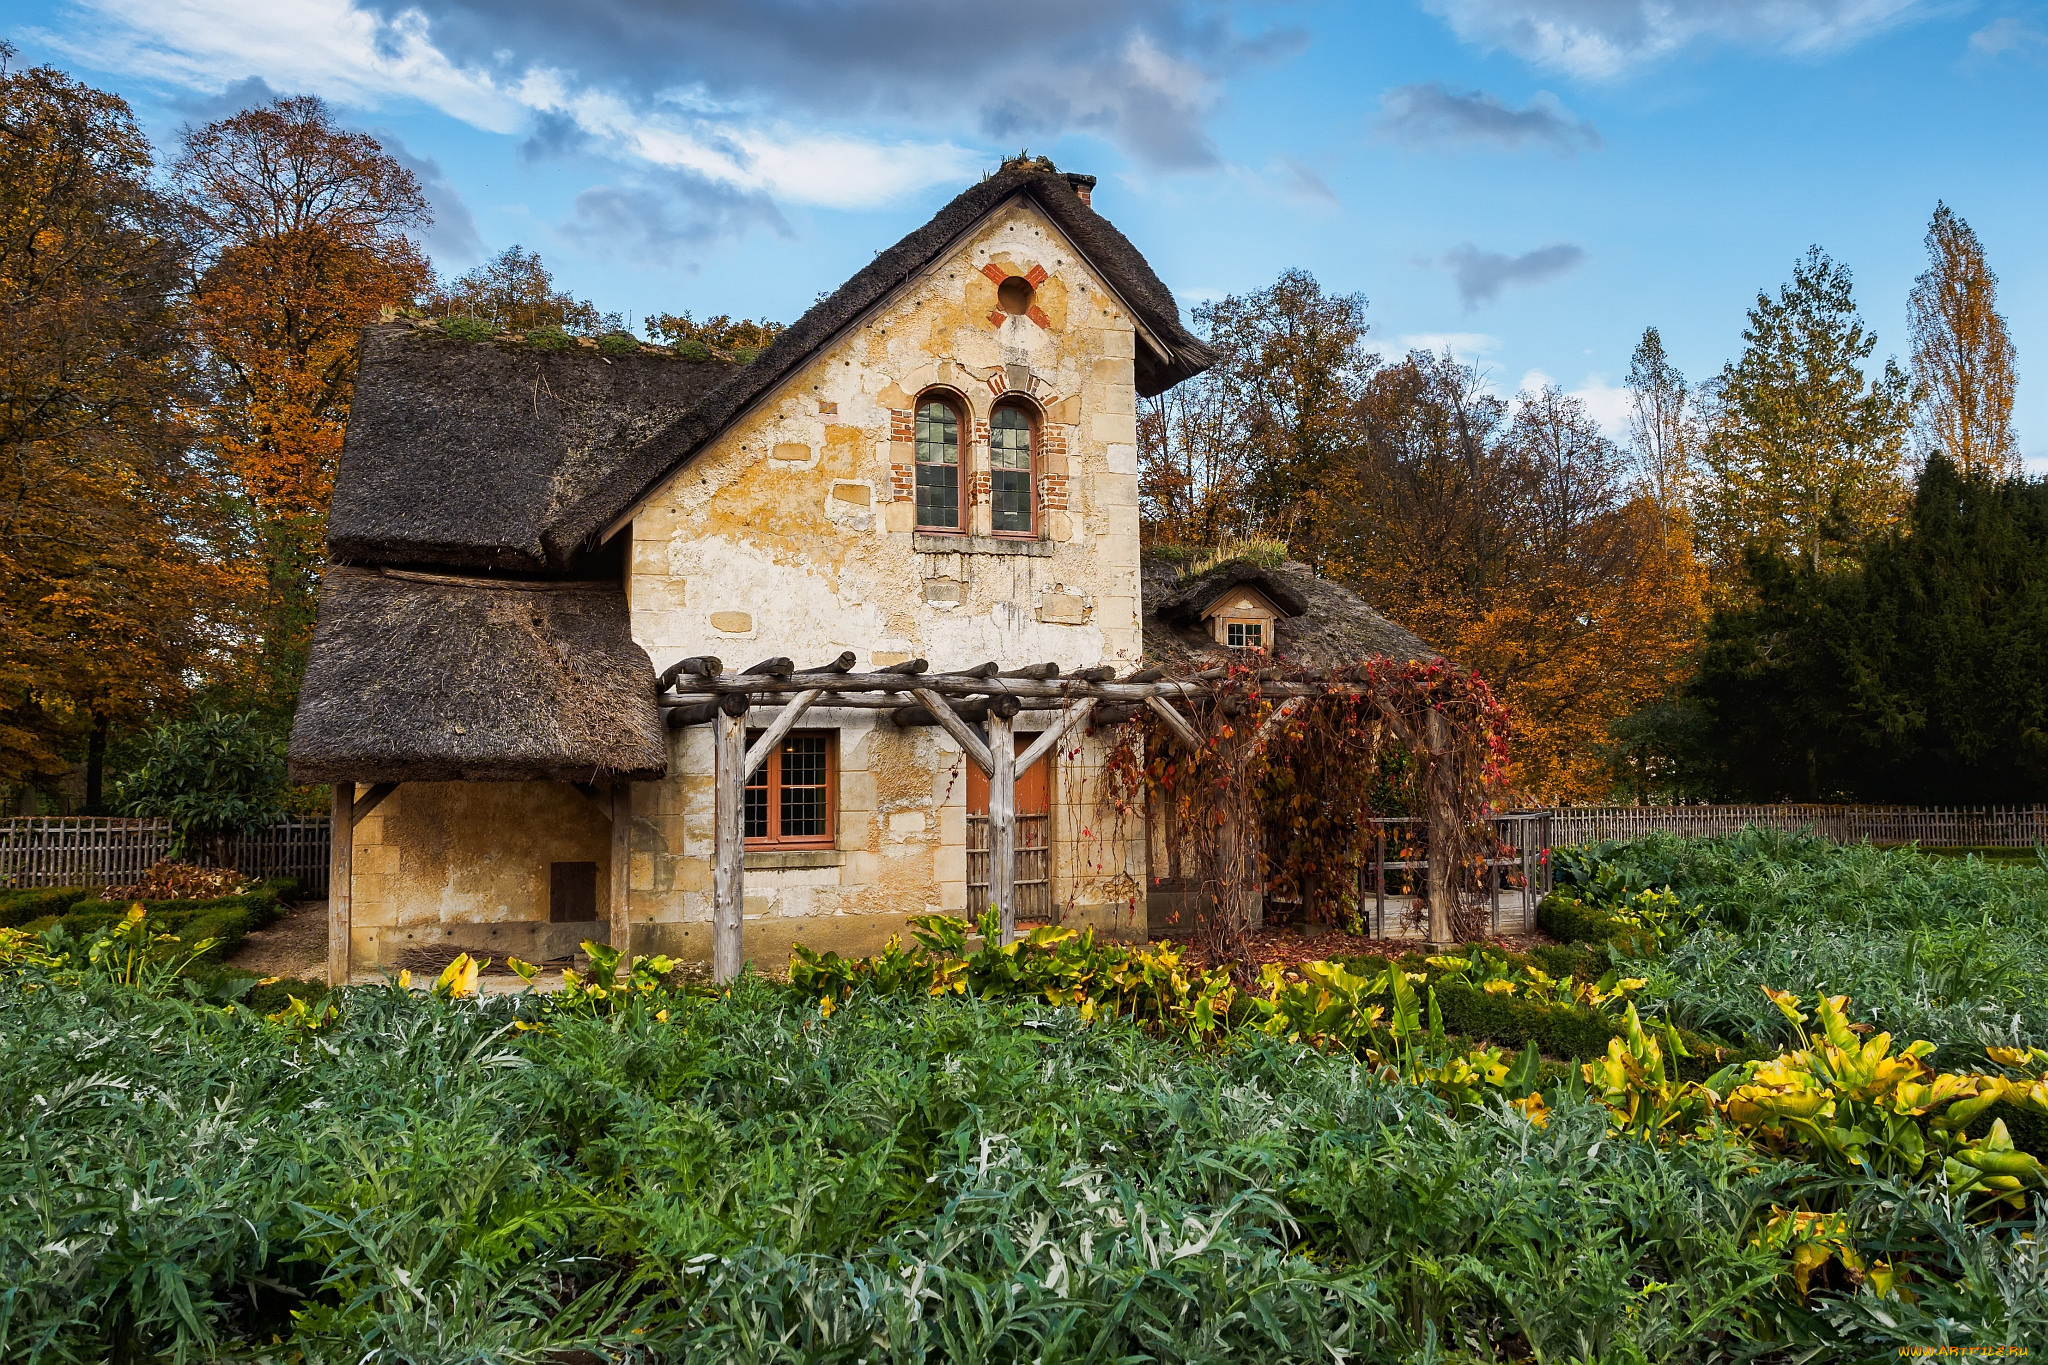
(87, 850)
(1935, 826)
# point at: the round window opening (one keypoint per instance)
(1013, 295)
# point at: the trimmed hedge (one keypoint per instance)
(38, 902)
(226, 919)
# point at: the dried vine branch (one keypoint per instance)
(1293, 803)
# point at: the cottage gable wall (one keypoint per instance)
(793, 534)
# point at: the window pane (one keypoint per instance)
(938, 496)
(803, 787)
(1009, 439)
(1012, 494)
(756, 821)
(938, 435)
(1233, 635)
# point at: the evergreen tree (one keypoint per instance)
(1806, 453)
(1915, 677)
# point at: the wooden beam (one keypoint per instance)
(1274, 717)
(969, 742)
(340, 864)
(1049, 738)
(1037, 671)
(622, 874)
(781, 666)
(1002, 821)
(729, 788)
(842, 664)
(370, 800)
(779, 729)
(1175, 722)
(698, 665)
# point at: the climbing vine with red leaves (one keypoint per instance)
(1282, 794)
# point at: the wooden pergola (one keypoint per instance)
(698, 691)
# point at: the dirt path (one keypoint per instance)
(294, 947)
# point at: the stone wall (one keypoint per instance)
(794, 535)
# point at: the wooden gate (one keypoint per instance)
(1034, 867)
(1034, 839)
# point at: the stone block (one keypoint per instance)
(1063, 609)
(1114, 428)
(732, 622)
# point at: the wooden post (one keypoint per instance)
(1379, 878)
(728, 875)
(340, 860)
(1002, 816)
(622, 874)
(1443, 838)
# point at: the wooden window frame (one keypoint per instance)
(963, 425)
(1031, 428)
(771, 768)
(1264, 627)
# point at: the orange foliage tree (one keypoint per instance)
(112, 594)
(300, 229)
(1511, 536)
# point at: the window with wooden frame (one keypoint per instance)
(1013, 504)
(1244, 634)
(792, 798)
(938, 465)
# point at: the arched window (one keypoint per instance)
(938, 466)
(1013, 509)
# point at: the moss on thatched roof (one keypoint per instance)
(431, 678)
(1329, 626)
(470, 453)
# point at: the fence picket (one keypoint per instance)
(92, 850)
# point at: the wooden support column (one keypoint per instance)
(622, 874)
(728, 867)
(340, 863)
(1002, 814)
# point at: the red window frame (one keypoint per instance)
(963, 427)
(1031, 425)
(771, 785)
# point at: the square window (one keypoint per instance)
(790, 797)
(1245, 634)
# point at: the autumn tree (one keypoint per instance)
(722, 334)
(515, 292)
(109, 585)
(1962, 357)
(1806, 453)
(1191, 470)
(1292, 360)
(1662, 427)
(300, 229)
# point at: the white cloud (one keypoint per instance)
(2009, 34)
(344, 53)
(1604, 402)
(1465, 346)
(1606, 38)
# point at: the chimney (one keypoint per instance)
(1084, 186)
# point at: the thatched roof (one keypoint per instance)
(429, 678)
(471, 454)
(1328, 626)
(1106, 249)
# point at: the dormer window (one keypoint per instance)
(1243, 618)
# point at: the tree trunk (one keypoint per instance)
(1445, 837)
(96, 768)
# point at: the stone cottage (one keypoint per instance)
(939, 462)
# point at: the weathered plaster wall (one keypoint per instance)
(793, 535)
(466, 863)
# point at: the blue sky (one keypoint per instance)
(1528, 181)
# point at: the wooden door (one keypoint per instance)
(1034, 838)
